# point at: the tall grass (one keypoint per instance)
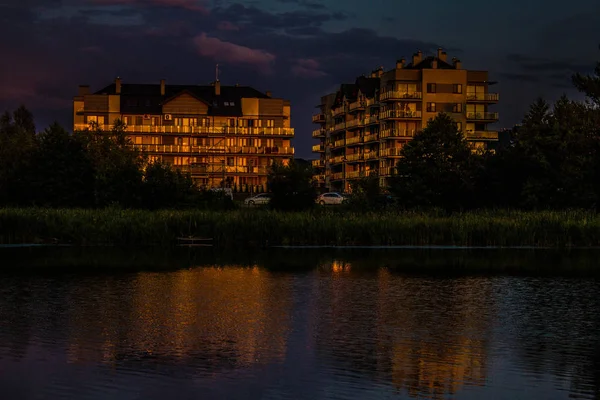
(256, 228)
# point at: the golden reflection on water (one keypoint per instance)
(212, 313)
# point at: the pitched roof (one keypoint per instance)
(427, 62)
(368, 86)
(146, 98)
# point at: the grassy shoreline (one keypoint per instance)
(264, 228)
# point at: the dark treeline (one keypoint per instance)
(550, 161)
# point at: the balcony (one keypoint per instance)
(207, 130)
(193, 150)
(317, 148)
(355, 123)
(318, 118)
(393, 133)
(391, 95)
(491, 97)
(386, 171)
(320, 178)
(370, 138)
(400, 114)
(337, 176)
(317, 133)
(318, 163)
(392, 152)
(338, 111)
(354, 157)
(219, 169)
(338, 159)
(354, 174)
(371, 102)
(354, 140)
(373, 119)
(339, 127)
(482, 116)
(371, 155)
(482, 135)
(357, 106)
(339, 143)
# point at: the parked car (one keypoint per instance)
(330, 198)
(259, 199)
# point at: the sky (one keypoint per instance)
(298, 49)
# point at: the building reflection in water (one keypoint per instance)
(209, 318)
(426, 336)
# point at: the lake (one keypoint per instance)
(89, 323)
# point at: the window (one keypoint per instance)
(270, 123)
(459, 126)
(226, 103)
(231, 122)
(139, 120)
(230, 161)
(431, 88)
(430, 107)
(457, 108)
(231, 103)
(180, 141)
(457, 88)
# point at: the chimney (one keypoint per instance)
(162, 87)
(380, 72)
(417, 57)
(373, 74)
(268, 93)
(434, 64)
(83, 90)
(456, 63)
(118, 85)
(442, 54)
(217, 88)
(400, 63)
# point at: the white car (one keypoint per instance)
(259, 199)
(330, 198)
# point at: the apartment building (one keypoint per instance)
(363, 126)
(222, 135)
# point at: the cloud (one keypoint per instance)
(305, 3)
(539, 64)
(227, 26)
(519, 77)
(191, 5)
(307, 68)
(230, 52)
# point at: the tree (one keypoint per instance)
(367, 193)
(292, 186)
(164, 187)
(437, 168)
(589, 84)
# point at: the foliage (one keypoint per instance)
(437, 168)
(256, 227)
(367, 194)
(292, 186)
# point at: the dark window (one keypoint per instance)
(431, 88)
(457, 108)
(457, 88)
(139, 120)
(430, 107)
(148, 103)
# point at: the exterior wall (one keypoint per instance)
(185, 104)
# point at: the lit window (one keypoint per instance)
(226, 103)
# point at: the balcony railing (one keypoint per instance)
(192, 150)
(399, 114)
(392, 152)
(339, 127)
(354, 157)
(386, 171)
(371, 102)
(338, 111)
(209, 130)
(339, 143)
(371, 155)
(318, 163)
(488, 116)
(318, 133)
(318, 148)
(483, 97)
(219, 169)
(354, 174)
(337, 176)
(320, 178)
(396, 133)
(370, 138)
(354, 140)
(482, 135)
(398, 95)
(318, 118)
(373, 119)
(357, 105)
(355, 123)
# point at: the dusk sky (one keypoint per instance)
(298, 49)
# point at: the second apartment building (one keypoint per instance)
(363, 126)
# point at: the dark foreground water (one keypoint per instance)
(125, 324)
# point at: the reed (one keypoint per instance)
(259, 227)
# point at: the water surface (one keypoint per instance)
(301, 325)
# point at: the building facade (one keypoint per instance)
(363, 126)
(222, 135)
